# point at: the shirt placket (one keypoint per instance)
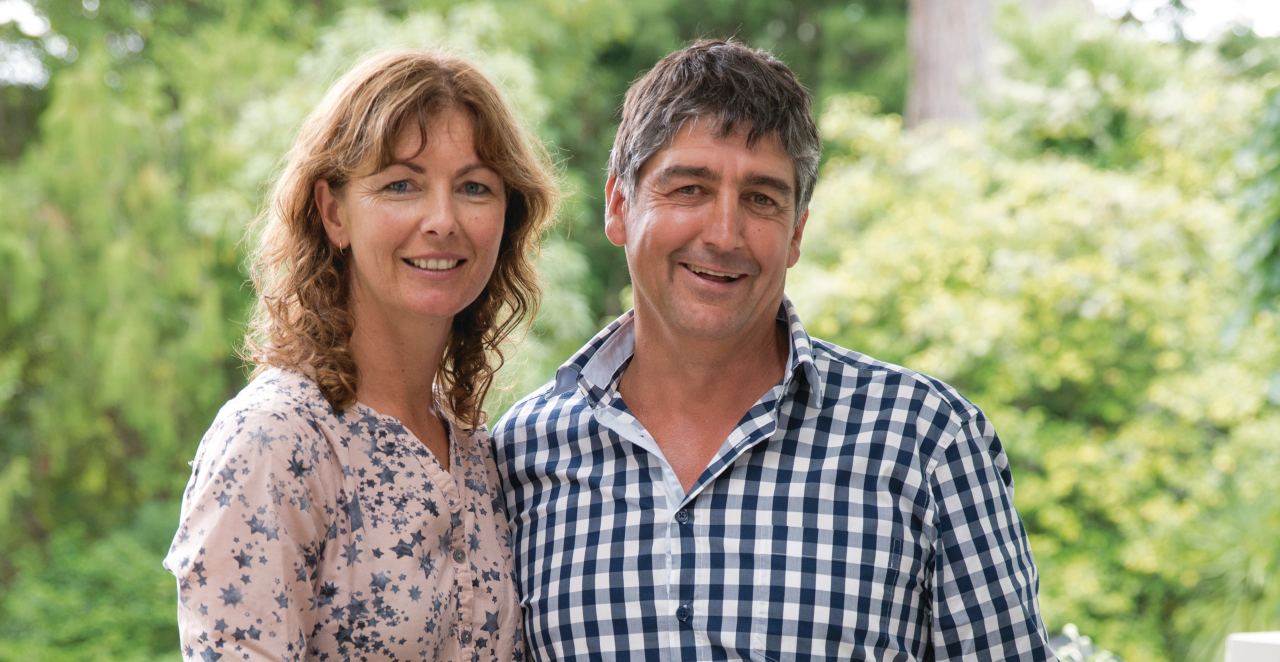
(666, 548)
(689, 561)
(460, 520)
(690, 569)
(463, 576)
(692, 524)
(683, 601)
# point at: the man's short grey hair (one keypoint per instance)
(732, 85)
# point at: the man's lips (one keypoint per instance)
(712, 274)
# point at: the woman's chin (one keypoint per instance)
(436, 308)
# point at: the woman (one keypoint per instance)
(344, 505)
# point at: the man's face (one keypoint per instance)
(710, 232)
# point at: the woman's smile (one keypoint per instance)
(434, 264)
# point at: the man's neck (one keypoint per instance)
(700, 372)
(690, 394)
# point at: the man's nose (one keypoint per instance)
(722, 229)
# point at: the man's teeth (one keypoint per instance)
(435, 265)
(701, 270)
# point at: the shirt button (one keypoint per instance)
(466, 637)
(682, 613)
(458, 557)
(682, 516)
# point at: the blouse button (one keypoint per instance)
(466, 637)
(458, 557)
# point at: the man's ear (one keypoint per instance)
(615, 212)
(793, 252)
(327, 204)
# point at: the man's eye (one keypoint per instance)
(401, 186)
(691, 189)
(474, 188)
(762, 199)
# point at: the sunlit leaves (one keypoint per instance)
(1077, 279)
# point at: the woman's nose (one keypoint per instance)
(438, 214)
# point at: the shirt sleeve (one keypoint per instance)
(256, 517)
(985, 582)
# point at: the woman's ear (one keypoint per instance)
(615, 212)
(328, 204)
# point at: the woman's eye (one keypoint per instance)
(474, 188)
(401, 186)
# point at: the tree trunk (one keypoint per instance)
(948, 40)
(1039, 9)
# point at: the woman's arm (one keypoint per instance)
(256, 516)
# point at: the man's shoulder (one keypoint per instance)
(539, 409)
(844, 372)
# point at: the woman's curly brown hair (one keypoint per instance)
(301, 320)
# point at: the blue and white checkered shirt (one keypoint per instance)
(859, 511)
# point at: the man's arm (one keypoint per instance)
(985, 582)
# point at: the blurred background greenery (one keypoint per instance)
(1089, 250)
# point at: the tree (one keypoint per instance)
(1070, 266)
(949, 44)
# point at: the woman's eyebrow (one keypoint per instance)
(471, 168)
(406, 164)
(460, 172)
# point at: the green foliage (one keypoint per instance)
(1071, 646)
(123, 289)
(118, 310)
(1261, 259)
(1078, 281)
(87, 600)
(1072, 267)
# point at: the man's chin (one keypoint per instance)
(709, 323)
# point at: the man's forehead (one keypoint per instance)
(701, 147)
(738, 133)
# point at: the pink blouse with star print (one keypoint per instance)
(311, 535)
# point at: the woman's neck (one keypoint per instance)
(397, 359)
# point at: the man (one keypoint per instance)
(703, 480)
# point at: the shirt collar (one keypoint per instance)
(597, 366)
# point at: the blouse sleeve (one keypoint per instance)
(256, 516)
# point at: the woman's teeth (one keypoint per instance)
(434, 265)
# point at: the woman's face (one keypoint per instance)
(422, 234)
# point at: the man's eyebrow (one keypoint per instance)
(696, 172)
(783, 188)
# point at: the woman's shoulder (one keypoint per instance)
(280, 411)
(279, 390)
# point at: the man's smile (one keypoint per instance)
(711, 274)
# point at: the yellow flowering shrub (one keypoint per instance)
(1078, 280)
